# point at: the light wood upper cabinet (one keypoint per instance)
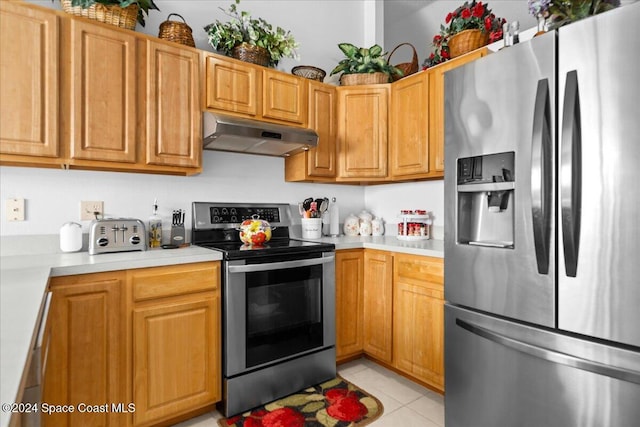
(284, 97)
(378, 304)
(362, 132)
(318, 163)
(101, 82)
(418, 318)
(29, 82)
(349, 303)
(171, 104)
(232, 86)
(85, 360)
(409, 127)
(436, 106)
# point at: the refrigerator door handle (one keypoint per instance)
(571, 173)
(552, 355)
(541, 176)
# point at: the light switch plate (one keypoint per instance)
(15, 209)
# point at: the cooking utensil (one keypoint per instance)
(323, 206)
(307, 203)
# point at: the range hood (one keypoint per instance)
(224, 133)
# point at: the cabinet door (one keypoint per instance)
(409, 127)
(176, 360)
(102, 81)
(436, 106)
(85, 359)
(284, 97)
(378, 300)
(29, 80)
(319, 162)
(232, 86)
(349, 303)
(418, 323)
(362, 132)
(171, 105)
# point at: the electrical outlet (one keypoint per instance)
(15, 209)
(90, 210)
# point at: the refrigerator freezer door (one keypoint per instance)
(504, 103)
(599, 197)
(500, 373)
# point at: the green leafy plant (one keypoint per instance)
(242, 28)
(565, 11)
(145, 5)
(363, 60)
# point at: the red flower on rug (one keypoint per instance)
(345, 405)
(283, 417)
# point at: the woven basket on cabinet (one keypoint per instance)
(112, 14)
(466, 41)
(407, 68)
(363, 79)
(175, 31)
(251, 53)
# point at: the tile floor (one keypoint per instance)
(406, 403)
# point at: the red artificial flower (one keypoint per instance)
(348, 409)
(283, 417)
(478, 10)
(437, 39)
(488, 23)
(495, 36)
(444, 54)
(448, 18)
(433, 55)
(466, 13)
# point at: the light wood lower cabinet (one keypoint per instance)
(418, 318)
(146, 337)
(85, 362)
(176, 340)
(402, 312)
(378, 304)
(349, 303)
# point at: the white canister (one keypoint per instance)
(351, 225)
(377, 227)
(365, 228)
(71, 237)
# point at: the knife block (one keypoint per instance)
(177, 235)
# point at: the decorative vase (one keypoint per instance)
(466, 41)
(251, 53)
(542, 25)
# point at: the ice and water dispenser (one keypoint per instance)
(486, 200)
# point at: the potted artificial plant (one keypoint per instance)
(364, 66)
(249, 39)
(121, 13)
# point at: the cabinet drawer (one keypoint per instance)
(174, 280)
(420, 268)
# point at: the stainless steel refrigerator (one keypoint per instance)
(542, 230)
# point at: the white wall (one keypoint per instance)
(53, 195)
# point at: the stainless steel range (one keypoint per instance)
(278, 305)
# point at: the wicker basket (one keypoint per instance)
(175, 31)
(126, 17)
(407, 68)
(363, 79)
(466, 41)
(309, 72)
(251, 53)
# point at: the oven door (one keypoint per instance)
(277, 308)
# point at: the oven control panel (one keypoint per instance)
(235, 215)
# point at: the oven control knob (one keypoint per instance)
(134, 240)
(234, 218)
(103, 241)
(216, 218)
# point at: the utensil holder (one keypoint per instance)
(311, 228)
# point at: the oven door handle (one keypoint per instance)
(250, 268)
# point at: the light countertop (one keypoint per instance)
(432, 248)
(23, 284)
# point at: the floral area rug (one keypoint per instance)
(335, 403)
